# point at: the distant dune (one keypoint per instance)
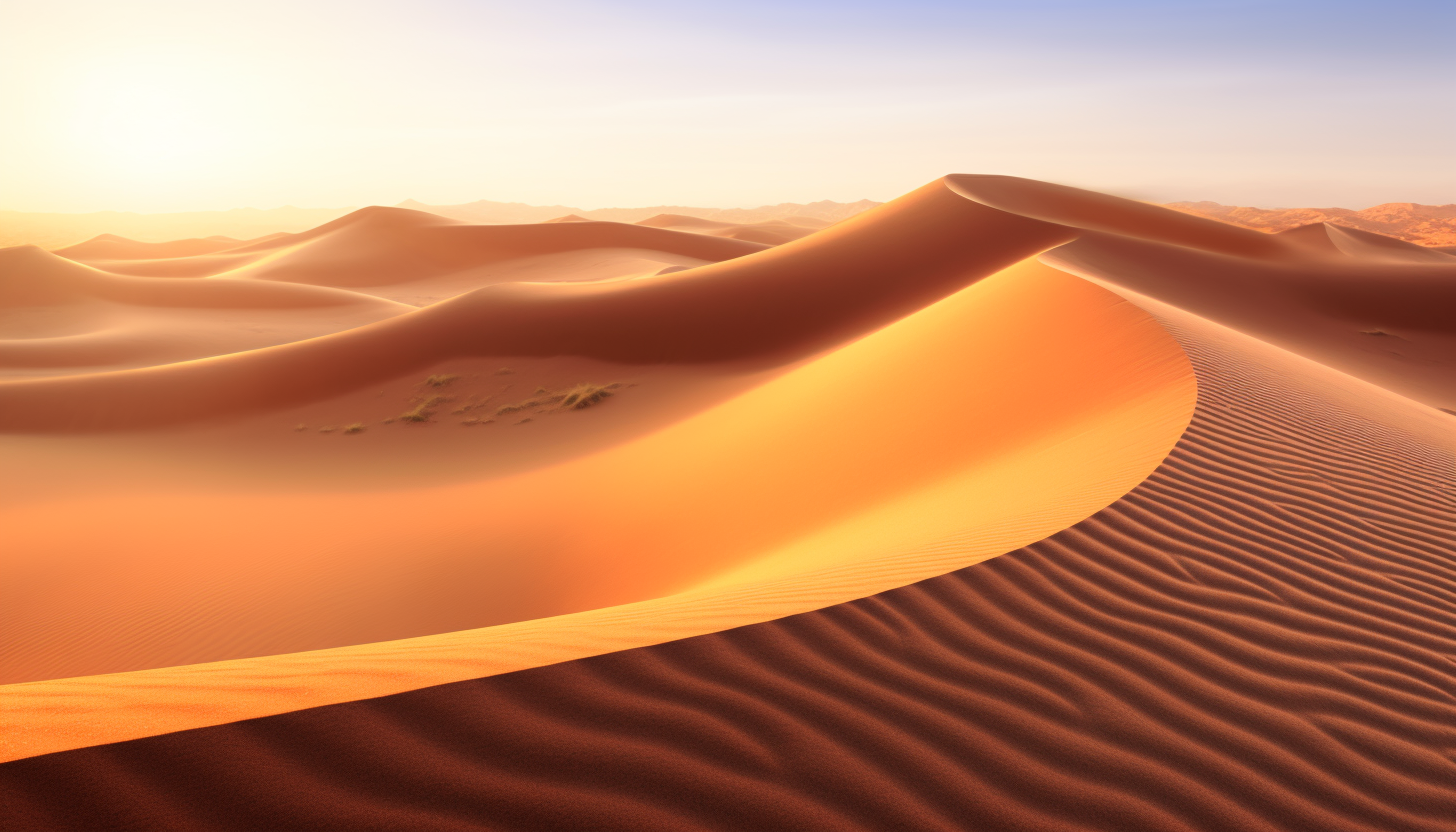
(485, 211)
(55, 231)
(1003, 505)
(1428, 225)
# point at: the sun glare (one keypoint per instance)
(146, 123)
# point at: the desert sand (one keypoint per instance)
(1001, 505)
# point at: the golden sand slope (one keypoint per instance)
(985, 422)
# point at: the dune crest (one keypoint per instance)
(949, 484)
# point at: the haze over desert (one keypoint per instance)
(828, 490)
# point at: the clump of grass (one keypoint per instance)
(1373, 332)
(327, 429)
(422, 411)
(525, 420)
(440, 381)
(388, 420)
(357, 427)
(585, 395)
(300, 426)
(579, 397)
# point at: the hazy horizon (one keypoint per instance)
(162, 106)
(746, 206)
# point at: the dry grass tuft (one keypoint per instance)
(422, 411)
(357, 427)
(585, 395)
(327, 429)
(300, 426)
(440, 381)
(579, 397)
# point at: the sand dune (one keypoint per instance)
(1428, 225)
(58, 317)
(112, 247)
(301, 571)
(744, 587)
(774, 232)
(485, 211)
(1378, 318)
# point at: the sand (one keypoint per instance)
(888, 525)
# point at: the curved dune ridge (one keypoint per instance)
(1013, 451)
(1256, 637)
(756, 608)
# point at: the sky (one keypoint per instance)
(166, 105)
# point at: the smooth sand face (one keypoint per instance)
(944, 474)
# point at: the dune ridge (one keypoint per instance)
(796, 299)
(1255, 637)
(1015, 452)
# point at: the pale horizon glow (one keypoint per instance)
(163, 105)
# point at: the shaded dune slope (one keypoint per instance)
(113, 247)
(1257, 637)
(59, 316)
(378, 245)
(1387, 323)
(778, 305)
(774, 232)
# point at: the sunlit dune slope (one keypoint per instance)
(989, 420)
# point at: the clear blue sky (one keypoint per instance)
(168, 105)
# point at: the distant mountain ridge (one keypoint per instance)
(485, 211)
(1430, 225)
